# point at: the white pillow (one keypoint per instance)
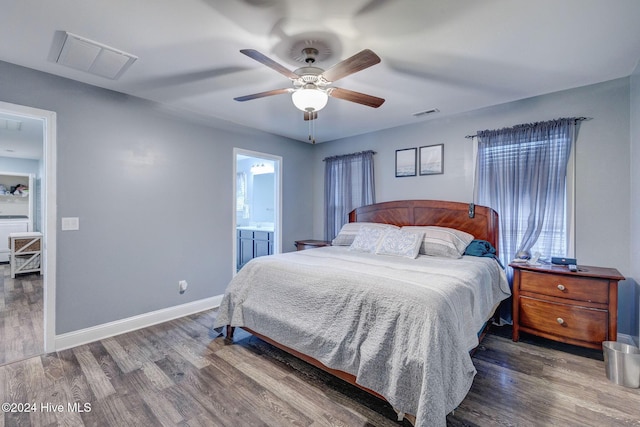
(368, 238)
(349, 231)
(405, 243)
(442, 241)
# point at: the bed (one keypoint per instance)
(401, 328)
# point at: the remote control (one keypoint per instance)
(573, 267)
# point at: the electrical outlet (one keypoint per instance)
(182, 286)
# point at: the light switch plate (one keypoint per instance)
(70, 223)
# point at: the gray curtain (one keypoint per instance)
(521, 173)
(348, 184)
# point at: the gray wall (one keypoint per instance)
(153, 192)
(603, 171)
(635, 194)
(28, 166)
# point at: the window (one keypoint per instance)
(241, 191)
(522, 174)
(348, 184)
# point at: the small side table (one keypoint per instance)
(301, 245)
(26, 253)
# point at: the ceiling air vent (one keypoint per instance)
(93, 57)
(425, 112)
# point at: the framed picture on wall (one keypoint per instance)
(432, 159)
(406, 162)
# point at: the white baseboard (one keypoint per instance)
(106, 330)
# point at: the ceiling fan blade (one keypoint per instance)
(310, 116)
(357, 62)
(254, 54)
(360, 98)
(263, 94)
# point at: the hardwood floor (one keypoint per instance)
(179, 374)
(21, 315)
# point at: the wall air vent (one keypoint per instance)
(425, 112)
(93, 57)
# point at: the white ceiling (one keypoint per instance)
(455, 56)
(23, 139)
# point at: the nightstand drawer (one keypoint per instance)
(567, 321)
(564, 286)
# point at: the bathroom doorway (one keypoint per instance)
(257, 206)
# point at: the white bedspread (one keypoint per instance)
(403, 327)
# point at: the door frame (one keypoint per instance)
(49, 213)
(277, 231)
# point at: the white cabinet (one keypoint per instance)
(26, 253)
(7, 227)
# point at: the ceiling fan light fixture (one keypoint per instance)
(309, 100)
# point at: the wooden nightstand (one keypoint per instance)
(578, 308)
(301, 245)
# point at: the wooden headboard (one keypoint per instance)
(484, 225)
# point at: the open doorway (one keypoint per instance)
(27, 301)
(256, 206)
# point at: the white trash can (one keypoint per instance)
(622, 363)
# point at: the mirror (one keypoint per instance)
(263, 197)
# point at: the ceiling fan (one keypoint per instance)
(311, 85)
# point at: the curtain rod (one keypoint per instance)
(577, 119)
(347, 155)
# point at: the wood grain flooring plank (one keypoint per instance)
(156, 376)
(126, 361)
(109, 367)
(21, 316)
(27, 287)
(110, 411)
(37, 386)
(174, 366)
(14, 344)
(56, 391)
(221, 407)
(182, 402)
(3, 397)
(152, 348)
(15, 392)
(273, 410)
(200, 421)
(53, 368)
(259, 372)
(317, 386)
(190, 352)
(78, 385)
(142, 414)
(3, 341)
(98, 381)
(166, 414)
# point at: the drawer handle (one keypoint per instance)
(561, 287)
(560, 320)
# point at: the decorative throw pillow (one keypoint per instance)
(443, 241)
(349, 231)
(367, 239)
(405, 243)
